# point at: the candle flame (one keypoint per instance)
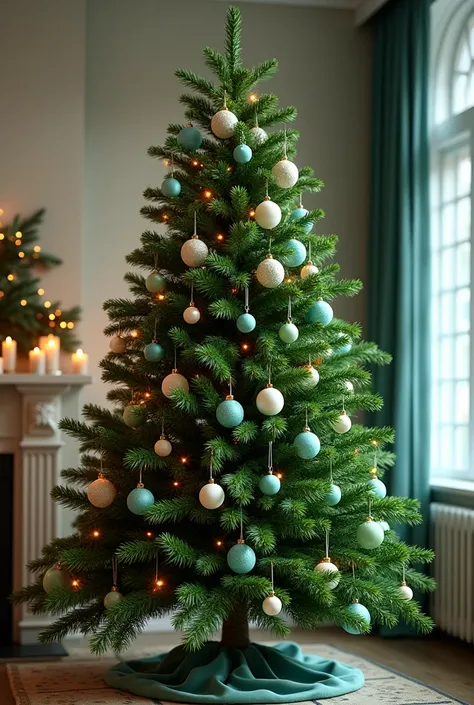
(36, 350)
(8, 339)
(79, 352)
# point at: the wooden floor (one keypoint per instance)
(437, 661)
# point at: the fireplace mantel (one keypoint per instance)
(30, 409)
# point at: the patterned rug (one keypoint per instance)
(79, 681)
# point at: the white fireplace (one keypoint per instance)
(30, 409)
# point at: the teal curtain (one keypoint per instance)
(399, 247)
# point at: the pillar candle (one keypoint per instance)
(44, 340)
(52, 356)
(37, 359)
(9, 354)
(80, 362)
(1, 365)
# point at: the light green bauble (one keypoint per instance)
(370, 534)
(133, 415)
(54, 578)
(112, 598)
(288, 332)
(155, 283)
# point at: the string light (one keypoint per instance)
(161, 297)
(253, 98)
(76, 584)
(47, 304)
(251, 213)
(2, 294)
(63, 324)
(149, 534)
(58, 312)
(207, 193)
(159, 583)
(18, 234)
(96, 534)
(195, 162)
(245, 346)
(374, 443)
(166, 162)
(289, 280)
(147, 395)
(21, 255)
(219, 543)
(52, 324)
(36, 248)
(11, 277)
(18, 243)
(51, 316)
(165, 217)
(2, 236)
(220, 237)
(23, 302)
(176, 483)
(184, 460)
(1, 211)
(134, 334)
(279, 475)
(229, 168)
(70, 324)
(40, 292)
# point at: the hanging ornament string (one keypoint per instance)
(343, 406)
(266, 188)
(269, 373)
(195, 223)
(309, 246)
(154, 329)
(211, 464)
(225, 100)
(172, 165)
(101, 473)
(375, 459)
(175, 358)
(289, 309)
(369, 502)
(270, 457)
(156, 261)
(404, 573)
(156, 567)
(246, 299)
(256, 115)
(230, 386)
(353, 573)
(163, 425)
(114, 570)
(191, 302)
(285, 146)
(330, 470)
(306, 417)
(327, 543)
(140, 478)
(272, 576)
(241, 524)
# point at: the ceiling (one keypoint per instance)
(363, 9)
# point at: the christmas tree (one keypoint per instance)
(234, 385)
(26, 313)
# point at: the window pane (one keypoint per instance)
(447, 219)
(446, 447)
(446, 401)
(463, 230)
(461, 402)
(447, 310)
(446, 359)
(463, 298)
(463, 264)
(464, 173)
(462, 348)
(463, 62)
(448, 276)
(449, 177)
(461, 448)
(459, 93)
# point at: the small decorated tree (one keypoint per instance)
(25, 311)
(231, 484)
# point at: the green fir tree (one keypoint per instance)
(25, 311)
(173, 557)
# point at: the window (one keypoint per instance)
(452, 451)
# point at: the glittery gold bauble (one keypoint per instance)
(101, 493)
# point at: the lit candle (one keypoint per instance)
(52, 356)
(79, 362)
(9, 354)
(37, 359)
(44, 340)
(1, 365)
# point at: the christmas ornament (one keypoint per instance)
(170, 187)
(268, 214)
(349, 386)
(194, 251)
(272, 605)
(405, 591)
(346, 347)
(162, 446)
(112, 598)
(313, 376)
(189, 138)
(153, 352)
(296, 254)
(269, 484)
(155, 283)
(298, 214)
(241, 558)
(54, 578)
(308, 269)
(320, 312)
(334, 495)
(285, 173)
(191, 314)
(174, 381)
(270, 401)
(307, 444)
(133, 415)
(140, 499)
(288, 331)
(117, 344)
(242, 154)
(385, 525)
(325, 566)
(369, 534)
(357, 608)
(230, 413)
(246, 322)
(101, 493)
(343, 423)
(223, 122)
(270, 272)
(211, 495)
(377, 488)
(258, 135)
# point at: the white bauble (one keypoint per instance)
(270, 272)
(325, 566)
(349, 386)
(191, 314)
(270, 401)
(308, 269)
(313, 376)
(211, 495)
(194, 252)
(285, 173)
(117, 344)
(405, 591)
(163, 447)
(385, 525)
(101, 493)
(223, 124)
(268, 214)
(343, 424)
(272, 605)
(258, 134)
(172, 382)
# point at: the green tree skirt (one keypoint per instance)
(257, 674)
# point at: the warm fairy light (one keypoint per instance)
(21, 255)
(51, 316)
(207, 193)
(36, 248)
(2, 236)
(41, 292)
(253, 98)
(279, 475)
(70, 324)
(23, 302)
(251, 213)
(234, 290)
(356, 451)
(195, 162)
(47, 304)
(147, 395)
(176, 483)
(35, 255)
(159, 583)
(245, 346)
(52, 324)
(96, 534)
(63, 324)
(288, 280)
(58, 312)
(161, 297)
(75, 584)
(184, 460)
(149, 534)
(201, 165)
(11, 277)
(220, 237)
(165, 216)
(219, 543)
(2, 294)
(134, 334)
(374, 443)
(166, 162)
(18, 234)
(18, 243)
(229, 168)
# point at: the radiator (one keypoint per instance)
(453, 541)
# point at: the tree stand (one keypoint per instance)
(235, 670)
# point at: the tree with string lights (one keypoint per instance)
(25, 313)
(230, 486)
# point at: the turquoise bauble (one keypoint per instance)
(269, 484)
(246, 323)
(297, 215)
(320, 312)
(356, 608)
(242, 154)
(241, 558)
(54, 578)
(307, 445)
(343, 349)
(139, 500)
(369, 535)
(288, 333)
(171, 187)
(334, 495)
(112, 598)
(230, 413)
(133, 415)
(377, 488)
(296, 255)
(153, 352)
(155, 283)
(190, 138)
